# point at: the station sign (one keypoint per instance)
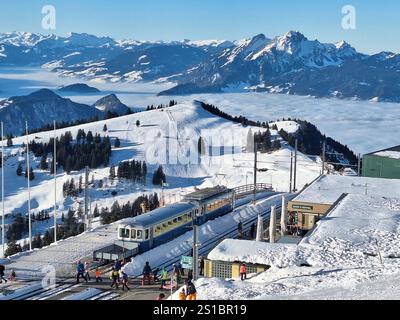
(187, 262)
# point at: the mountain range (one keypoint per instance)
(42, 107)
(290, 64)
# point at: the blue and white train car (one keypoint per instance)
(164, 224)
(159, 226)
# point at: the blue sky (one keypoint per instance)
(377, 21)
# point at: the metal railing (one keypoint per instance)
(249, 188)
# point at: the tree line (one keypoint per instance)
(89, 150)
(310, 141)
(136, 171)
(118, 212)
(162, 106)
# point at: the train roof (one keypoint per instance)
(206, 193)
(159, 215)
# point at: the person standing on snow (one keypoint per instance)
(114, 277)
(80, 270)
(191, 292)
(87, 270)
(181, 270)
(177, 273)
(243, 272)
(164, 278)
(125, 280)
(147, 273)
(98, 276)
(202, 266)
(182, 295)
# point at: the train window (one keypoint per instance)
(133, 234)
(170, 222)
(180, 219)
(139, 234)
(146, 234)
(124, 233)
(175, 221)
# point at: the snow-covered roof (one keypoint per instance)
(360, 220)
(392, 153)
(253, 252)
(328, 188)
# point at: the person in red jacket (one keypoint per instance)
(243, 272)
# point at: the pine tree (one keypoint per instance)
(105, 128)
(9, 141)
(117, 143)
(12, 249)
(96, 212)
(112, 173)
(276, 145)
(31, 174)
(159, 176)
(137, 123)
(43, 162)
(89, 137)
(19, 170)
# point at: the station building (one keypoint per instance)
(382, 164)
(224, 260)
(315, 201)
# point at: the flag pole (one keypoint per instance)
(28, 169)
(55, 183)
(2, 189)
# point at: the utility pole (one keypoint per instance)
(323, 157)
(255, 171)
(86, 196)
(291, 173)
(295, 166)
(195, 250)
(55, 183)
(2, 190)
(90, 213)
(359, 165)
(28, 168)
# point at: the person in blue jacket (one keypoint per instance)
(80, 270)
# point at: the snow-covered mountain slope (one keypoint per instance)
(294, 64)
(168, 137)
(111, 103)
(104, 58)
(40, 108)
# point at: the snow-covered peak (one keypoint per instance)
(384, 55)
(26, 39)
(345, 49)
(84, 39)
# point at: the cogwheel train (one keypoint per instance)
(152, 229)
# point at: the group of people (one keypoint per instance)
(117, 275)
(11, 277)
